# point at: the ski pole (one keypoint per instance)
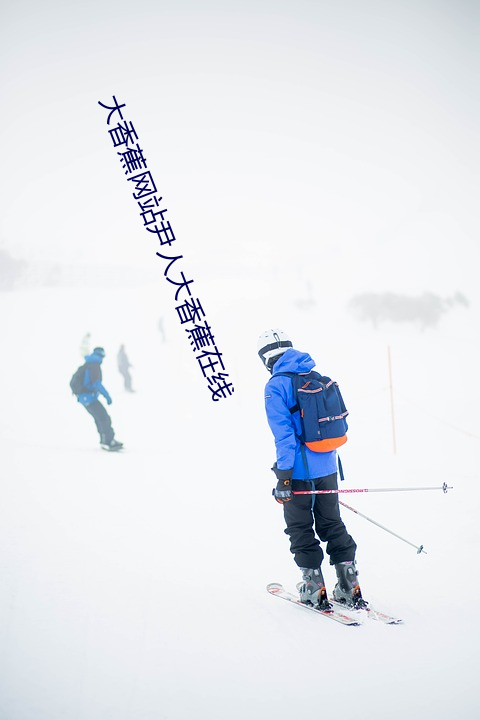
(443, 487)
(418, 548)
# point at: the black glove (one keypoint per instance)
(283, 492)
(282, 474)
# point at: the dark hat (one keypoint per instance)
(99, 351)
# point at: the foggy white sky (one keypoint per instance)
(335, 142)
(346, 130)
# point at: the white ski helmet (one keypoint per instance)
(271, 344)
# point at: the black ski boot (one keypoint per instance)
(112, 446)
(347, 590)
(312, 589)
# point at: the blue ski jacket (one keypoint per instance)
(285, 426)
(93, 381)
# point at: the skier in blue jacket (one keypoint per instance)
(308, 518)
(93, 387)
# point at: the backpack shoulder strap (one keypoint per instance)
(295, 383)
(86, 376)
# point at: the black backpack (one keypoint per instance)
(78, 379)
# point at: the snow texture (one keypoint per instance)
(133, 585)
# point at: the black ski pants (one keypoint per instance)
(309, 517)
(102, 421)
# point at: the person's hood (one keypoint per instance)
(293, 361)
(93, 358)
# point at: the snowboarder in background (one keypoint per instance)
(88, 389)
(85, 345)
(123, 366)
(308, 518)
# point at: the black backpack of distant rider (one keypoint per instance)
(78, 379)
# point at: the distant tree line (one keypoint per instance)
(11, 270)
(426, 309)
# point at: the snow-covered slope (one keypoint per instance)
(133, 585)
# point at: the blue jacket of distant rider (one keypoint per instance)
(285, 426)
(93, 381)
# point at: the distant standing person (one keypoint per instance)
(87, 385)
(124, 368)
(161, 329)
(85, 345)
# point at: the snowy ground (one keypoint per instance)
(133, 585)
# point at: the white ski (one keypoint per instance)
(336, 613)
(371, 613)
